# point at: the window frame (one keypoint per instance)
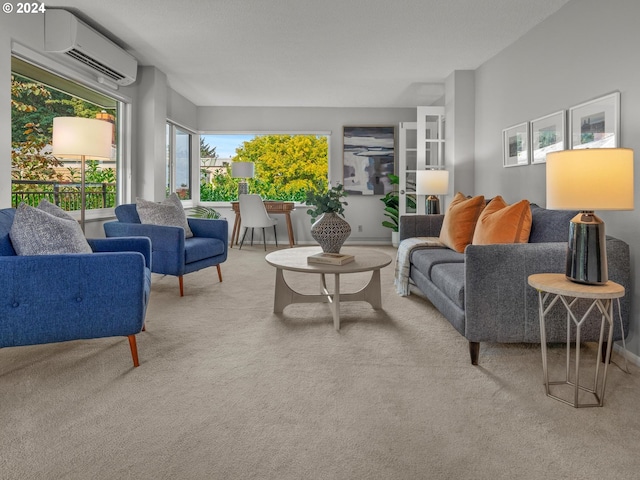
(194, 156)
(325, 133)
(123, 124)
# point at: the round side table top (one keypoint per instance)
(295, 259)
(559, 284)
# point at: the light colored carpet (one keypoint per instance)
(228, 390)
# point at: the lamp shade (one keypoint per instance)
(77, 136)
(590, 179)
(432, 182)
(242, 169)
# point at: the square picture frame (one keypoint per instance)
(515, 145)
(548, 134)
(596, 123)
(368, 156)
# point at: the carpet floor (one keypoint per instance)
(227, 389)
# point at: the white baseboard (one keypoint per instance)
(631, 357)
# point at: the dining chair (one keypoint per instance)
(253, 214)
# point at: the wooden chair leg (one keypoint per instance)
(275, 235)
(219, 272)
(181, 286)
(144, 327)
(134, 350)
(264, 239)
(243, 235)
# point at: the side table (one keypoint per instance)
(552, 287)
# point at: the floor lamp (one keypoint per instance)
(242, 170)
(82, 138)
(587, 180)
(432, 183)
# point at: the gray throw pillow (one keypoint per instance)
(169, 213)
(46, 230)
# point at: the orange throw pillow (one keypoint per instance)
(503, 223)
(460, 221)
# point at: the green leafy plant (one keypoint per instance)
(200, 211)
(391, 204)
(328, 202)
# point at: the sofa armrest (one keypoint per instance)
(124, 244)
(420, 226)
(210, 228)
(500, 306)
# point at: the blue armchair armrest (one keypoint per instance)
(55, 298)
(211, 228)
(168, 239)
(123, 244)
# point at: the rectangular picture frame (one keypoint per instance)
(548, 134)
(596, 123)
(515, 145)
(368, 156)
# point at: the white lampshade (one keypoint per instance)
(77, 136)
(432, 182)
(590, 179)
(242, 169)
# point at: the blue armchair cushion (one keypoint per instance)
(168, 213)
(46, 230)
(199, 248)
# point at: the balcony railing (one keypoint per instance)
(65, 195)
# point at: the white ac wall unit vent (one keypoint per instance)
(84, 47)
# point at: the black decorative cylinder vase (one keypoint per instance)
(330, 231)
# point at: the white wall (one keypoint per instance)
(365, 211)
(587, 49)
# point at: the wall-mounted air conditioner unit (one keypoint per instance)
(83, 46)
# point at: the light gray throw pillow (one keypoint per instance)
(169, 213)
(46, 230)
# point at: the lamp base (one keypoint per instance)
(243, 188)
(587, 250)
(433, 205)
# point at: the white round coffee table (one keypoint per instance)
(295, 259)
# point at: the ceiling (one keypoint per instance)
(317, 53)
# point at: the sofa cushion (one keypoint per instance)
(449, 279)
(168, 213)
(199, 248)
(425, 259)
(127, 213)
(503, 223)
(460, 220)
(36, 231)
(550, 225)
(6, 220)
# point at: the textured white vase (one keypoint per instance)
(330, 231)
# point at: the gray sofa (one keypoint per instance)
(484, 293)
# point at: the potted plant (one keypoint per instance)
(330, 231)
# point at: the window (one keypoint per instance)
(179, 161)
(286, 166)
(37, 96)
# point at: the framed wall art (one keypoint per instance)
(596, 123)
(368, 156)
(515, 145)
(547, 135)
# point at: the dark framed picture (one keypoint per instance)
(596, 123)
(515, 145)
(368, 156)
(547, 135)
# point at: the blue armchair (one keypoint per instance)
(56, 298)
(172, 254)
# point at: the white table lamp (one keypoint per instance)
(432, 183)
(242, 170)
(82, 138)
(588, 180)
